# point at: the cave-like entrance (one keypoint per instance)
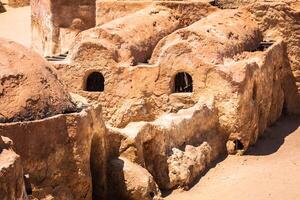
(183, 82)
(95, 82)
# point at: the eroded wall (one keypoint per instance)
(280, 20)
(252, 96)
(55, 24)
(11, 172)
(109, 10)
(239, 89)
(56, 153)
(175, 148)
(132, 92)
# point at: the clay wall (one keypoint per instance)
(110, 51)
(280, 20)
(157, 145)
(56, 153)
(42, 27)
(254, 94)
(56, 23)
(11, 173)
(241, 98)
(109, 10)
(144, 91)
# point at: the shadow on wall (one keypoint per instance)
(117, 180)
(2, 9)
(274, 136)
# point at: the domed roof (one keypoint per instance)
(29, 87)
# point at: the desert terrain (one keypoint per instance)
(268, 170)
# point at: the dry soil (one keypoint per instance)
(15, 25)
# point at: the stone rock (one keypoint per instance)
(11, 173)
(132, 93)
(185, 166)
(131, 181)
(132, 110)
(155, 145)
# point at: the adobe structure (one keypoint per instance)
(140, 97)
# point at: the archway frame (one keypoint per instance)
(87, 76)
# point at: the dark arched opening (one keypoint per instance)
(28, 187)
(238, 145)
(183, 82)
(95, 82)
(284, 111)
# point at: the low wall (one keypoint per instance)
(280, 20)
(109, 10)
(56, 153)
(251, 94)
(165, 146)
(11, 173)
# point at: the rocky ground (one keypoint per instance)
(270, 170)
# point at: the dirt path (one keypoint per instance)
(271, 170)
(15, 25)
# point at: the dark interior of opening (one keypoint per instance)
(284, 111)
(213, 2)
(95, 82)
(27, 183)
(59, 57)
(238, 145)
(151, 194)
(263, 46)
(183, 83)
(222, 5)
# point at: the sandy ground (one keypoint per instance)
(270, 170)
(15, 25)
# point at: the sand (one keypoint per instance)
(271, 170)
(15, 25)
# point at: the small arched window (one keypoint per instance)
(95, 82)
(238, 145)
(183, 82)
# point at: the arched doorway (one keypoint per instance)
(183, 82)
(95, 82)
